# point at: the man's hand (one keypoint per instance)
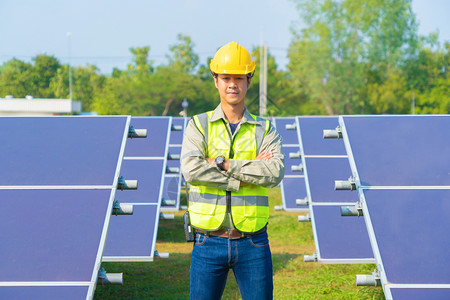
(264, 156)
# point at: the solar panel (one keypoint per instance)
(57, 186)
(43, 292)
(32, 141)
(404, 192)
(322, 172)
(312, 136)
(340, 239)
(132, 238)
(414, 146)
(288, 133)
(172, 181)
(337, 239)
(293, 188)
(148, 173)
(293, 185)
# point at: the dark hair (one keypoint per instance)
(249, 75)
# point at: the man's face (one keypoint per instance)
(232, 88)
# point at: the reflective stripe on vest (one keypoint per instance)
(250, 205)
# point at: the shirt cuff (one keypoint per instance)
(233, 184)
(235, 167)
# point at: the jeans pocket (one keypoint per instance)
(259, 240)
(200, 239)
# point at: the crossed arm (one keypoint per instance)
(266, 170)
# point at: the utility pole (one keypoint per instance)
(70, 70)
(263, 80)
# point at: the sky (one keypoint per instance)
(102, 32)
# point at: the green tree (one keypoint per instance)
(86, 82)
(279, 100)
(347, 46)
(142, 65)
(44, 69)
(183, 57)
(15, 79)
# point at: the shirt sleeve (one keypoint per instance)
(265, 173)
(196, 170)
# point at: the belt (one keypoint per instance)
(232, 234)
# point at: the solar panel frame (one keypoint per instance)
(175, 143)
(326, 154)
(150, 256)
(290, 144)
(127, 244)
(92, 283)
(390, 289)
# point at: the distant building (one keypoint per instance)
(42, 107)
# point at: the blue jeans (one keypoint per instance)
(249, 257)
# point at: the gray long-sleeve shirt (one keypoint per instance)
(197, 171)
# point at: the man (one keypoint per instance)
(230, 158)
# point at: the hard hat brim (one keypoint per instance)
(248, 69)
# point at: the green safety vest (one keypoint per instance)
(249, 206)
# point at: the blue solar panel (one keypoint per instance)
(148, 173)
(176, 136)
(311, 129)
(337, 239)
(340, 239)
(293, 185)
(290, 162)
(43, 292)
(172, 181)
(60, 150)
(412, 230)
(403, 181)
(322, 172)
(156, 142)
(289, 136)
(58, 194)
(400, 150)
(146, 162)
(53, 235)
(132, 238)
(293, 188)
(420, 294)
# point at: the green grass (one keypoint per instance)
(293, 278)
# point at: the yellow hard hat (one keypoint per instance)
(232, 59)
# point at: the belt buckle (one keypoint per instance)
(234, 238)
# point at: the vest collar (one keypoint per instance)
(219, 114)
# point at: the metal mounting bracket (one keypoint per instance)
(303, 202)
(172, 170)
(165, 202)
(173, 156)
(348, 185)
(166, 216)
(109, 278)
(369, 280)
(352, 210)
(292, 126)
(295, 154)
(310, 258)
(176, 128)
(333, 134)
(162, 254)
(136, 133)
(120, 209)
(304, 218)
(123, 184)
(297, 168)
